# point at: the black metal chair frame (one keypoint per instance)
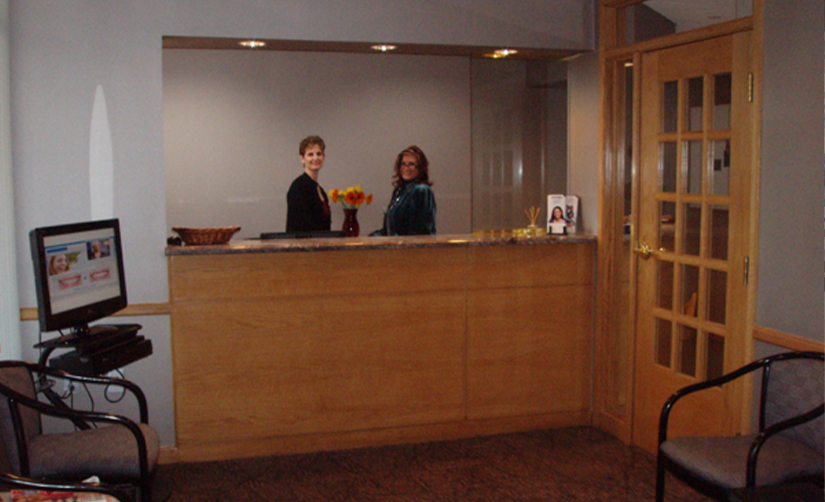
(16, 400)
(663, 464)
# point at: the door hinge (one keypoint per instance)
(750, 87)
(747, 269)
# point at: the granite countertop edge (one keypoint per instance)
(243, 246)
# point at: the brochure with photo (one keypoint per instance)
(562, 211)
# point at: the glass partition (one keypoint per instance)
(519, 137)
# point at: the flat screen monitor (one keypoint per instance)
(78, 272)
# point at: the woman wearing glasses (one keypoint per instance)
(412, 206)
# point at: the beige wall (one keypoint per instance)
(9, 327)
(790, 287)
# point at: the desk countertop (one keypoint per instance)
(354, 243)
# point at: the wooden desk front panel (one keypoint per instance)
(295, 343)
(375, 345)
(529, 351)
(258, 368)
(529, 330)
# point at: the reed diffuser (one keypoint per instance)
(533, 214)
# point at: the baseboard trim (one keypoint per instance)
(345, 440)
(786, 340)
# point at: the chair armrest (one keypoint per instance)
(763, 363)
(690, 389)
(774, 429)
(13, 481)
(17, 399)
(132, 387)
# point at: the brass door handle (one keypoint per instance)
(643, 251)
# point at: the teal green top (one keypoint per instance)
(411, 211)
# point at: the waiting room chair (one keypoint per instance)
(788, 446)
(115, 448)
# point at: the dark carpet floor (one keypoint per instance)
(572, 464)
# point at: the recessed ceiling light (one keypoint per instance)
(383, 47)
(252, 44)
(501, 53)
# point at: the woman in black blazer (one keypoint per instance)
(307, 203)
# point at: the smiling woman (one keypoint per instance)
(307, 203)
(411, 210)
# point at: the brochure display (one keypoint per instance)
(562, 211)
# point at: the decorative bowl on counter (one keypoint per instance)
(205, 236)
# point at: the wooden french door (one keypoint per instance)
(692, 234)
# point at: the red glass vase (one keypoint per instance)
(351, 228)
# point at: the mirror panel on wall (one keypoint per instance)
(655, 18)
(495, 132)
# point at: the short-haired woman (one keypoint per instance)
(307, 203)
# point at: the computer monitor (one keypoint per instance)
(79, 275)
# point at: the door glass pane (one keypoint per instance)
(692, 230)
(669, 167)
(717, 284)
(719, 232)
(719, 179)
(721, 101)
(667, 229)
(690, 290)
(716, 356)
(695, 166)
(664, 342)
(664, 298)
(670, 96)
(687, 350)
(628, 141)
(695, 94)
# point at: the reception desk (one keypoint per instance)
(301, 345)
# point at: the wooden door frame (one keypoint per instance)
(617, 420)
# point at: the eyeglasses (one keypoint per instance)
(409, 164)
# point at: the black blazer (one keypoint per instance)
(306, 211)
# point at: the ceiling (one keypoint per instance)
(214, 43)
(686, 15)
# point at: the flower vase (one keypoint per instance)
(351, 228)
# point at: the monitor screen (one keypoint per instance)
(79, 275)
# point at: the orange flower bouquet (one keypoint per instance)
(351, 198)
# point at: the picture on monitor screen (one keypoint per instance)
(78, 273)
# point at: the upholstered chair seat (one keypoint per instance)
(721, 460)
(787, 446)
(109, 451)
(113, 448)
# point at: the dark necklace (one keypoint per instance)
(400, 192)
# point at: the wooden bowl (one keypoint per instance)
(205, 236)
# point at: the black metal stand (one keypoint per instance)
(96, 351)
(46, 387)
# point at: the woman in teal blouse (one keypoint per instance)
(411, 210)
